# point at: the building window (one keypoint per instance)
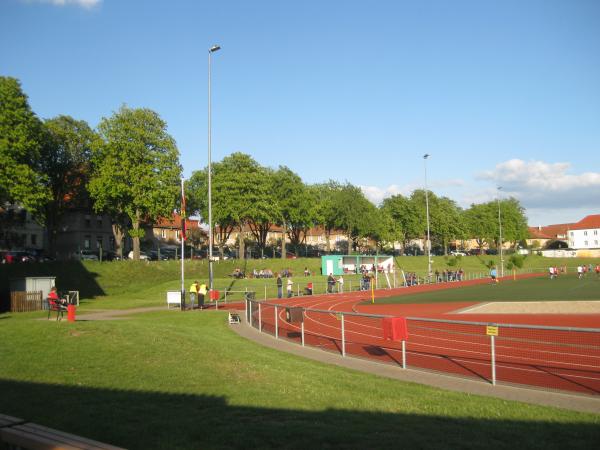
(87, 242)
(177, 234)
(34, 239)
(88, 221)
(98, 242)
(585, 233)
(585, 243)
(595, 232)
(163, 233)
(596, 243)
(99, 221)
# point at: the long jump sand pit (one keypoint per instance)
(541, 307)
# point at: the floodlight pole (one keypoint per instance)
(500, 237)
(428, 243)
(211, 50)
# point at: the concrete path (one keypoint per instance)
(539, 397)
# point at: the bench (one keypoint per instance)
(234, 317)
(26, 435)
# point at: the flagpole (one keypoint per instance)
(182, 238)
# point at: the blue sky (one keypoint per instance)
(499, 93)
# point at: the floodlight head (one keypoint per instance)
(214, 48)
(426, 155)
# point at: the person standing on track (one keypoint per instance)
(340, 284)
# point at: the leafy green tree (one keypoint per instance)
(66, 161)
(21, 140)
(295, 203)
(406, 219)
(136, 169)
(354, 214)
(324, 209)
(481, 222)
(514, 221)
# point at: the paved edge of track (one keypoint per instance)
(449, 382)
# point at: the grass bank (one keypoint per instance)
(126, 284)
(178, 381)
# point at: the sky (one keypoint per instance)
(499, 94)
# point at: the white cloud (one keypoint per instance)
(376, 194)
(538, 184)
(86, 4)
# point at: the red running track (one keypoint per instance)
(564, 360)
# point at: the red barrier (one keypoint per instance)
(214, 295)
(71, 313)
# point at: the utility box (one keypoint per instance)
(33, 284)
(294, 315)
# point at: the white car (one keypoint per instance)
(143, 256)
(457, 253)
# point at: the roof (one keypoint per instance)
(175, 222)
(550, 231)
(587, 223)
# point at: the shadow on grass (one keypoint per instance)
(70, 276)
(154, 420)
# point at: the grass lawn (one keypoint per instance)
(179, 381)
(127, 284)
(566, 287)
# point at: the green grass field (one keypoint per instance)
(172, 380)
(566, 287)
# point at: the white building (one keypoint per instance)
(585, 234)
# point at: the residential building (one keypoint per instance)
(585, 234)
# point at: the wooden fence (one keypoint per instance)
(26, 301)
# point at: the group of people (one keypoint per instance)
(289, 286)
(582, 269)
(449, 275)
(238, 274)
(262, 273)
(411, 278)
(197, 293)
(331, 282)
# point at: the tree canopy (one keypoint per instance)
(136, 169)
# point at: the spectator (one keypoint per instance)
(309, 288)
(340, 284)
(202, 290)
(279, 286)
(330, 283)
(193, 293)
(306, 272)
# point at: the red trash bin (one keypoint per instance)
(214, 295)
(71, 313)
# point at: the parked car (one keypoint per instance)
(457, 253)
(87, 255)
(143, 256)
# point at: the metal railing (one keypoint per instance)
(564, 358)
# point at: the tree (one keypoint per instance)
(136, 169)
(481, 223)
(66, 161)
(21, 139)
(405, 219)
(294, 202)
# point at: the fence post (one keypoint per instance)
(343, 337)
(492, 343)
(276, 324)
(225, 296)
(297, 290)
(350, 281)
(265, 291)
(403, 354)
(302, 328)
(259, 317)
(249, 311)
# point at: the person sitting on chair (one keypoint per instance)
(53, 298)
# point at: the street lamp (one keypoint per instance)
(211, 50)
(428, 243)
(500, 237)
